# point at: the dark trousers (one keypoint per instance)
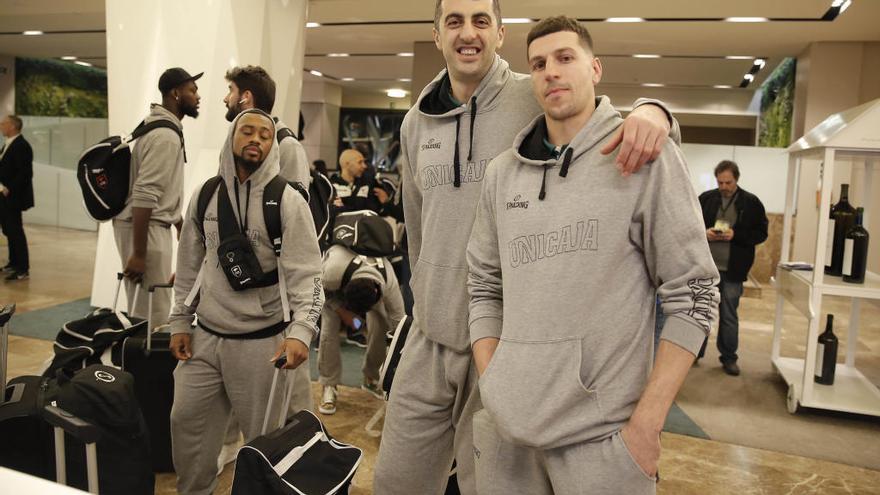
(13, 229)
(728, 320)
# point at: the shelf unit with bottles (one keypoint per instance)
(847, 136)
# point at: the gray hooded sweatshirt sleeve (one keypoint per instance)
(238, 312)
(567, 279)
(294, 162)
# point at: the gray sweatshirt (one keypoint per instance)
(438, 214)
(157, 171)
(294, 162)
(568, 282)
(236, 312)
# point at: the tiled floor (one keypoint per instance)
(748, 410)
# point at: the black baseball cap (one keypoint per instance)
(174, 77)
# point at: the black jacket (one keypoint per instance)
(749, 230)
(359, 196)
(16, 173)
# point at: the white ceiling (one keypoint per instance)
(693, 50)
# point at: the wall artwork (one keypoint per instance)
(53, 88)
(777, 104)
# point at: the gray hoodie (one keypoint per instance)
(157, 171)
(238, 312)
(568, 282)
(501, 106)
(294, 162)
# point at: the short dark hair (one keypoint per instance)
(320, 166)
(361, 294)
(438, 12)
(727, 165)
(255, 79)
(16, 122)
(559, 23)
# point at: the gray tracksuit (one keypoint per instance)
(232, 374)
(294, 162)
(382, 318)
(156, 182)
(565, 257)
(438, 137)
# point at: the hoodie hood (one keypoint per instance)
(530, 146)
(436, 101)
(269, 168)
(158, 112)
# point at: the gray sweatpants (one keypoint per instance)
(603, 467)
(159, 239)
(222, 375)
(428, 421)
(329, 355)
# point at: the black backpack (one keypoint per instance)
(364, 232)
(320, 196)
(104, 171)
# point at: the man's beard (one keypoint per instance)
(248, 165)
(232, 112)
(190, 111)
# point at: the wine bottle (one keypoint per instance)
(855, 251)
(841, 219)
(826, 355)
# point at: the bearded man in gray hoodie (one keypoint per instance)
(565, 259)
(463, 119)
(225, 361)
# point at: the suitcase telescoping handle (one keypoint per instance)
(282, 414)
(137, 288)
(152, 290)
(89, 434)
(5, 315)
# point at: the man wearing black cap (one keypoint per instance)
(143, 229)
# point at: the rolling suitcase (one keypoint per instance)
(26, 439)
(299, 458)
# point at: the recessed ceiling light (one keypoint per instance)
(396, 93)
(405, 54)
(760, 62)
(624, 19)
(80, 62)
(515, 20)
(842, 4)
(405, 79)
(746, 19)
(316, 73)
(749, 77)
(739, 57)
(337, 54)
(348, 79)
(32, 33)
(313, 24)
(653, 85)
(722, 86)
(645, 55)
(68, 57)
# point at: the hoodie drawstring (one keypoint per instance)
(543, 192)
(473, 119)
(456, 161)
(563, 172)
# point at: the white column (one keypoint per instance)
(210, 36)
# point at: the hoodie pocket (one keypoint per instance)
(441, 303)
(535, 394)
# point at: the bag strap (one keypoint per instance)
(273, 194)
(144, 128)
(205, 194)
(283, 134)
(227, 225)
(356, 263)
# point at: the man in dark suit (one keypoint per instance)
(16, 194)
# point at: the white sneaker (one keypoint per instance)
(328, 400)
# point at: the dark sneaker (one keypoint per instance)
(731, 368)
(356, 338)
(373, 388)
(17, 276)
(8, 269)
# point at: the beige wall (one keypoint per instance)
(372, 99)
(427, 62)
(832, 77)
(7, 84)
(320, 106)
